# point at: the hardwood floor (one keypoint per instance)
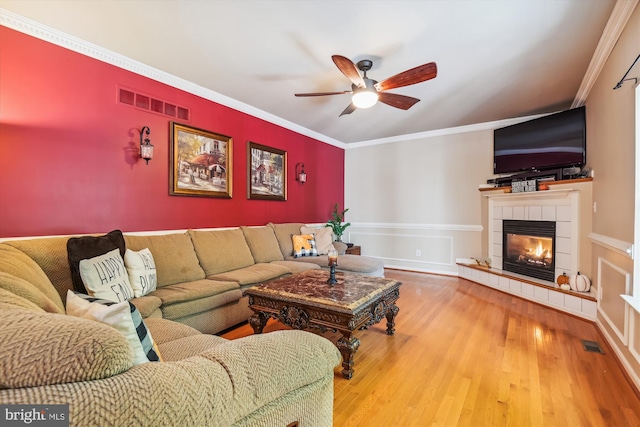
(467, 355)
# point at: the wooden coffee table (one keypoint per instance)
(305, 300)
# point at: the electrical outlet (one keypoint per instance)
(418, 252)
(594, 207)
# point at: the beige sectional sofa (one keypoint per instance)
(202, 273)
(49, 357)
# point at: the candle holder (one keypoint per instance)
(333, 261)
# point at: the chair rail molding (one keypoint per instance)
(407, 226)
(619, 246)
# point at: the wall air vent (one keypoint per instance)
(145, 102)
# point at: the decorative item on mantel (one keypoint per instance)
(563, 281)
(336, 222)
(579, 283)
(483, 263)
(525, 186)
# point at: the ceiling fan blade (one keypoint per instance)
(349, 69)
(350, 109)
(399, 101)
(409, 77)
(324, 93)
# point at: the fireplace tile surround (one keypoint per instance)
(569, 206)
(545, 207)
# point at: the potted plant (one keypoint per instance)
(336, 222)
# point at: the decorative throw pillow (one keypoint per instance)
(323, 237)
(106, 277)
(122, 316)
(304, 245)
(79, 248)
(142, 271)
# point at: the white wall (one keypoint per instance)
(419, 195)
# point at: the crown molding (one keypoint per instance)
(620, 15)
(43, 32)
(447, 131)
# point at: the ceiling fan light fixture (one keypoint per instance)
(364, 98)
(365, 92)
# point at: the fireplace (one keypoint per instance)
(528, 247)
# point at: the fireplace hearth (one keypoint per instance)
(529, 248)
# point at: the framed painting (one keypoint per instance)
(200, 162)
(267, 173)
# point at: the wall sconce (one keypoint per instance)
(146, 149)
(301, 176)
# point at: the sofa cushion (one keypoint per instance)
(85, 247)
(188, 291)
(262, 243)
(297, 266)
(41, 348)
(50, 253)
(182, 348)
(16, 263)
(283, 233)
(122, 316)
(11, 300)
(148, 305)
(173, 255)
(105, 277)
(323, 236)
(141, 270)
(253, 274)
(221, 250)
(304, 245)
(341, 247)
(26, 290)
(189, 299)
(164, 330)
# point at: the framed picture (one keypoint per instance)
(267, 173)
(200, 162)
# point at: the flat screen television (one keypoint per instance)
(550, 142)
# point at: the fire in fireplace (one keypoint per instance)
(528, 248)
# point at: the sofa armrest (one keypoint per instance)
(219, 386)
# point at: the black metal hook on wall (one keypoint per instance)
(624, 78)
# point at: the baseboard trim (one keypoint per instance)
(634, 380)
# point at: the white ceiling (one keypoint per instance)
(496, 59)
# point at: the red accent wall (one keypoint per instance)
(69, 152)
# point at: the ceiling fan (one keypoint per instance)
(367, 92)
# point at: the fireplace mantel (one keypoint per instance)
(546, 194)
(569, 204)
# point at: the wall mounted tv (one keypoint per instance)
(550, 142)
